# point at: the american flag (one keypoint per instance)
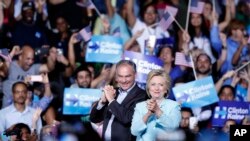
(88, 4)
(182, 59)
(86, 33)
(166, 20)
(196, 6)
(117, 32)
(4, 51)
(172, 10)
(5, 54)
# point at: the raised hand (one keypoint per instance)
(152, 105)
(110, 92)
(105, 23)
(235, 80)
(36, 116)
(223, 38)
(186, 40)
(186, 37)
(228, 74)
(15, 50)
(61, 58)
(39, 3)
(45, 79)
(103, 99)
(244, 75)
(138, 33)
(73, 39)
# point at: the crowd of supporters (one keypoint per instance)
(41, 38)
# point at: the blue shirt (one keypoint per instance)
(42, 103)
(232, 46)
(115, 21)
(175, 73)
(241, 93)
(169, 120)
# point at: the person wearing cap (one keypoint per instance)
(28, 30)
(40, 7)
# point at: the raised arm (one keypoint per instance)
(228, 18)
(130, 42)
(47, 89)
(220, 82)
(15, 51)
(185, 43)
(223, 55)
(244, 74)
(36, 125)
(102, 77)
(71, 52)
(68, 69)
(110, 8)
(237, 54)
(40, 4)
(214, 34)
(130, 13)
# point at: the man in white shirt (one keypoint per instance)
(18, 112)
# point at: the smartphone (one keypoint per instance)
(192, 122)
(152, 41)
(4, 51)
(107, 65)
(36, 78)
(41, 51)
(59, 51)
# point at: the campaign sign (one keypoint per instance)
(158, 43)
(197, 93)
(230, 110)
(78, 101)
(144, 64)
(104, 49)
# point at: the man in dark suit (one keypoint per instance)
(116, 106)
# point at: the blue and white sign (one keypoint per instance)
(197, 93)
(78, 101)
(159, 42)
(104, 49)
(144, 64)
(230, 110)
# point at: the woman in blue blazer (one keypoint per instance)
(157, 114)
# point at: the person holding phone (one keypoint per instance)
(19, 69)
(157, 114)
(149, 15)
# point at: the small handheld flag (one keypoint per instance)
(196, 6)
(85, 33)
(166, 21)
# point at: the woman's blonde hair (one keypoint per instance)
(158, 72)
